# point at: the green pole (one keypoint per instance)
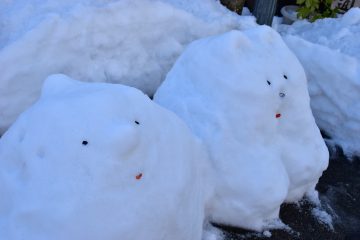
(264, 11)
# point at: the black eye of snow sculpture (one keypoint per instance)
(136, 122)
(285, 76)
(84, 143)
(268, 82)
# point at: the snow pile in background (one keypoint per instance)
(82, 164)
(129, 42)
(338, 34)
(329, 50)
(245, 94)
(17, 17)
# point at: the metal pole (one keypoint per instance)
(264, 11)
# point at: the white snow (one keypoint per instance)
(130, 42)
(71, 165)
(329, 51)
(245, 95)
(323, 217)
(102, 161)
(212, 233)
(267, 233)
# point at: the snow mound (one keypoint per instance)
(329, 51)
(100, 161)
(130, 42)
(245, 95)
(339, 34)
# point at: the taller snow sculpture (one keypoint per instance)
(245, 95)
(99, 161)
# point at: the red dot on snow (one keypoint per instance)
(138, 176)
(278, 115)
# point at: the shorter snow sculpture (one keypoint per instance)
(100, 161)
(245, 95)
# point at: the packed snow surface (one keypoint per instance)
(100, 161)
(329, 51)
(130, 42)
(245, 95)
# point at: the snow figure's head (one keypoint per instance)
(99, 161)
(245, 94)
(256, 67)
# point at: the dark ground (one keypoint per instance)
(339, 190)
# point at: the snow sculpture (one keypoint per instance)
(245, 95)
(99, 161)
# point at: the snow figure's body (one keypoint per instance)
(99, 161)
(245, 95)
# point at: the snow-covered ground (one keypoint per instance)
(129, 42)
(329, 50)
(245, 95)
(82, 164)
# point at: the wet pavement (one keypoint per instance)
(339, 191)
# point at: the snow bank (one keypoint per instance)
(100, 161)
(245, 95)
(329, 50)
(130, 42)
(338, 34)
